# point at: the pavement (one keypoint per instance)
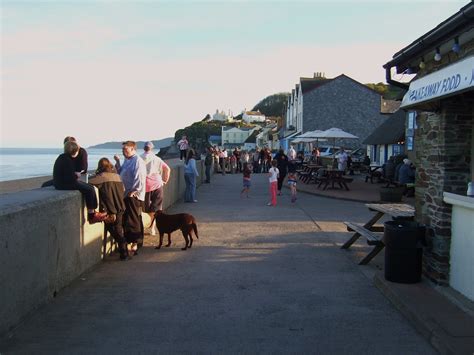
(258, 280)
(440, 314)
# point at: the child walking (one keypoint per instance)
(292, 185)
(246, 181)
(273, 173)
(292, 180)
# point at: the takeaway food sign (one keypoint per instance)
(447, 81)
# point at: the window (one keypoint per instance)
(410, 129)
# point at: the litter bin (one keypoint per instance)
(403, 250)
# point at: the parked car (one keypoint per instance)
(327, 151)
(358, 155)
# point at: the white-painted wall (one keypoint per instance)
(461, 275)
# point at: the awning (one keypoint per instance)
(450, 80)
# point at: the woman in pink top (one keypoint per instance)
(273, 173)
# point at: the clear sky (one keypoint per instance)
(115, 70)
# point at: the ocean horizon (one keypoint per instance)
(22, 163)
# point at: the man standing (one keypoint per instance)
(183, 146)
(208, 164)
(291, 153)
(157, 174)
(133, 174)
(342, 160)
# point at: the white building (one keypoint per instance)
(233, 136)
(253, 116)
(222, 116)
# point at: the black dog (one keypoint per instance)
(168, 223)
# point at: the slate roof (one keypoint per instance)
(308, 84)
(391, 131)
(252, 138)
(227, 128)
(389, 106)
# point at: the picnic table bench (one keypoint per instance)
(372, 232)
(332, 177)
(308, 173)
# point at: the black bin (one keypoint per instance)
(403, 250)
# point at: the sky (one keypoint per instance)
(116, 70)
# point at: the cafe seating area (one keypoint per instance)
(313, 179)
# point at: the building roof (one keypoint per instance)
(254, 113)
(391, 131)
(308, 84)
(243, 129)
(252, 138)
(389, 106)
(441, 36)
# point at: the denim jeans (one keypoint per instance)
(190, 192)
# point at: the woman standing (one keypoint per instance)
(190, 174)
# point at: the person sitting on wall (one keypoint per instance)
(65, 177)
(80, 162)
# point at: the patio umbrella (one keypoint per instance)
(335, 133)
(309, 137)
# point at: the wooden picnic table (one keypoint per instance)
(373, 172)
(308, 171)
(332, 177)
(373, 233)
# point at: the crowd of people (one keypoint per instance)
(125, 189)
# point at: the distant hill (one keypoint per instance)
(161, 143)
(273, 105)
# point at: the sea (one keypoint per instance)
(21, 163)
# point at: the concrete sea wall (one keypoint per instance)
(46, 242)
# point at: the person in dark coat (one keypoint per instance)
(80, 162)
(111, 194)
(282, 165)
(389, 169)
(406, 174)
(65, 178)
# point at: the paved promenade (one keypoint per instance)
(259, 280)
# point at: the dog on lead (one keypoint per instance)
(168, 223)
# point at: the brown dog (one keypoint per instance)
(168, 223)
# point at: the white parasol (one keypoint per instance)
(335, 133)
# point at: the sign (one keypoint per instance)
(447, 81)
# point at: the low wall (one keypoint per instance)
(46, 243)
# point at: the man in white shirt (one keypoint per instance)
(292, 153)
(342, 160)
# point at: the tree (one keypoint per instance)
(273, 105)
(198, 133)
(388, 92)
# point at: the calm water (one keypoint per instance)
(21, 163)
